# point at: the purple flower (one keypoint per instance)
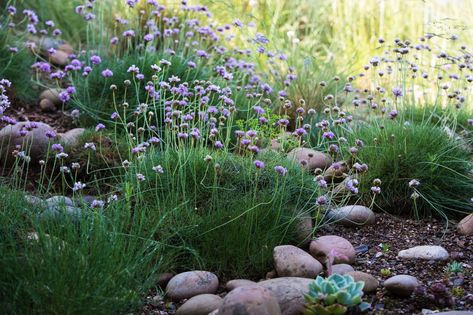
(107, 73)
(78, 186)
(11, 10)
(57, 147)
(321, 201)
(351, 185)
(258, 109)
(129, 33)
(393, 114)
(258, 164)
(64, 96)
(133, 69)
(328, 135)
(95, 60)
(97, 204)
(281, 170)
(99, 127)
(300, 132)
(148, 37)
(397, 92)
(414, 183)
(71, 90)
(470, 122)
(51, 134)
(90, 145)
(158, 169)
(376, 190)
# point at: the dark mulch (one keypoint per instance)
(402, 233)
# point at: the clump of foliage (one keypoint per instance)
(335, 295)
(109, 258)
(16, 61)
(399, 152)
(229, 211)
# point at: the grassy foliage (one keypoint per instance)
(401, 152)
(103, 263)
(229, 213)
(15, 65)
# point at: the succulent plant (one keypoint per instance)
(385, 272)
(334, 295)
(437, 293)
(454, 267)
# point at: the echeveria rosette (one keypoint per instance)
(334, 295)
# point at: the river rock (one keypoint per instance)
(465, 226)
(164, 278)
(322, 246)
(371, 283)
(72, 137)
(289, 292)
(290, 261)
(401, 285)
(65, 47)
(36, 139)
(47, 106)
(200, 305)
(336, 171)
(191, 283)
(52, 95)
(353, 215)
(60, 212)
(309, 158)
(57, 201)
(342, 269)
(249, 300)
(236, 283)
(304, 227)
(429, 252)
(59, 58)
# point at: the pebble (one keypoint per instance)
(342, 269)
(353, 215)
(465, 226)
(236, 283)
(309, 158)
(322, 246)
(336, 171)
(291, 261)
(401, 285)
(289, 291)
(200, 305)
(36, 139)
(164, 278)
(52, 95)
(249, 300)
(58, 201)
(59, 58)
(191, 283)
(429, 252)
(72, 137)
(47, 106)
(371, 283)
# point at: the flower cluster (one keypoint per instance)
(4, 101)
